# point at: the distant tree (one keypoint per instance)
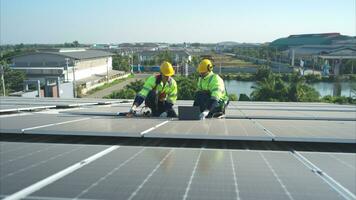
(273, 88)
(19, 46)
(195, 61)
(186, 87)
(122, 94)
(164, 56)
(244, 97)
(129, 91)
(263, 72)
(135, 86)
(312, 78)
(13, 79)
(149, 62)
(195, 44)
(270, 89)
(75, 43)
(135, 59)
(121, 63)
(338, 99)
(66, 44)
(353, 90)
(348, 66)
(299, 91)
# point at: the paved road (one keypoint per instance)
(117, 87)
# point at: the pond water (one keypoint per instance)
(324, 88)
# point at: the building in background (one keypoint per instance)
(179, 57)
(310, 39)
(77, 67)
(104, 46)
(318, 48)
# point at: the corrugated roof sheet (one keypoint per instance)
(80, 55)
(308, 39)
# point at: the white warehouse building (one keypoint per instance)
(87, 67)
(53, 63)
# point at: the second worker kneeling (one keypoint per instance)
(211, 96)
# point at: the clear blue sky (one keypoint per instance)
(117, 21)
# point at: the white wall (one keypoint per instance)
(110, 63)
(87, 72)
(86, 69)
(66, 90)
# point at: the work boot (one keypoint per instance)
(218, 115)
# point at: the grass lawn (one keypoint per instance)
(107, 85)
(225, 60)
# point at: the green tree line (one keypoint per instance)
(13, 79)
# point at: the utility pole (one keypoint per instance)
(67, 60)
(74, 85)
(107, 70)
(352, 66)
(2, 71)
(131, 63)
(186, 69)
(293, 58)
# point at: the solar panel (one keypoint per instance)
(211, 129)
(132, 172)
(287, 104)
(100, 126)
(351, 116)
(299, 115)
(340, 166)
(257, 114)
(155, 170)
(296, 108)
(99, 111)
(235, 113)
(61, 103)
(311, 130)
(34, 162)
(50, 99)
(18, 108)
(17, 123)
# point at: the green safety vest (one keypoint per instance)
(213, 84)
(168, 91)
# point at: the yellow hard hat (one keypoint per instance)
(167, 69)
(205, 66)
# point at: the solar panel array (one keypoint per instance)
(154, 158)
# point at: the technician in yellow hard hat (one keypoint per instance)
(211, 96)
(159, 93)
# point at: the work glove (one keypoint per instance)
(132, 111)
(204, 114)
(163, 115)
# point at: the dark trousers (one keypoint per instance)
(158, 107)
(203, 100)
